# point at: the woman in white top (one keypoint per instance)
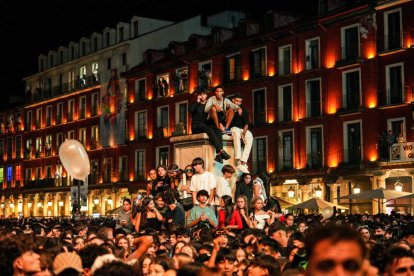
(259, 217)
(259, 189)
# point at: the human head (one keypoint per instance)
(289, 219)
(257, 203)
(115, 268)
(364, 233)
(145, 262)
(126, 204)
(152, 173)
(159, 200)
(148, 204)
(237, 99)
(242, 202)
(225, 261)
(162, 171)
(270, 247)
(202, 196)
(218, 92)
(198, 164)
(160, 265)
(246, 177)
(228, 169)
(399, 261)
(335, 249)
(202, 94)
(17, 256)
(189, 171)
(67, 261)
(173, 170)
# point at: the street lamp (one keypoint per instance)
(96, 200)
(109, 200)
(39, 204)
(318, 191)
(60, 203)
(291, 192)
(29, 204)
(357, 189)
(398, 186)
(2, 205)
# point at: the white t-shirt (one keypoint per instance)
(223, 188)
(205, 181)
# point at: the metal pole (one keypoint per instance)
(350, 201)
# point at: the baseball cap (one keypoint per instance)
(67, 260)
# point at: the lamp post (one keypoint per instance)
(318, 192)
(398, 186)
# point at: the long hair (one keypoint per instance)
(246, 204)
(228, 207)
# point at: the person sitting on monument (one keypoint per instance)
(199, 125)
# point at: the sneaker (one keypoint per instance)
(218, 159)
(243, 168)
(226, 131)
(225, 155)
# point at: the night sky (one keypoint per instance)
(33, 27)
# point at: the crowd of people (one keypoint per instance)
(191, 222)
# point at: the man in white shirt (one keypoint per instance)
(224, 186)
(202, 180)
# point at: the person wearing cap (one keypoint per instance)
(17, 257)
(199, 125)
(67, 262)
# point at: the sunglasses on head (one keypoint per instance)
(348, 265)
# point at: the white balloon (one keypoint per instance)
(327, 212)
(74, 159)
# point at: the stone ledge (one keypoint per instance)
(195, 137)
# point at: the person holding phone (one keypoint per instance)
(124, 220)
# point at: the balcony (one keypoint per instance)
(284, 67)
(140, 175)
(285, 114)
(349, 56)
(123, 176)
(390, 43)
(94, 110)
(58, 119)
(350, 103)
(204, 79)
(70, 116)
(38, 124)
(48, 121)
(314, 160)
(141, 134)
(391, 96)
(82, 113)
(313, 109)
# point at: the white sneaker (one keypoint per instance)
(243, 168)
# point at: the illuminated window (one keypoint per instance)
(141, 124)
(18, 172)
(9, 174)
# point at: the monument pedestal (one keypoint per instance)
(188, 147)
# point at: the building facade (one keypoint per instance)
(322, 94)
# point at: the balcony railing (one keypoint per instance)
(314, 160)
(140, 175)
(82, 113)
(285, 114)
(313, 110)
(391, 96)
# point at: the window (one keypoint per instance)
(205, 74)
(395, 83)
(107, 170)
(95, 44)
(351, 88)
(124, 59)
(123, 169)
(312, 53)
(259, 155)
(48, 115)
(140, 165)
(1, 148)
(28, 120)
(258, 63)
(18, 177)
(285, 60)
(1, 175)
(9, 147)
(286, 149)
(397, 125)
(313, 98)
(108, 39)
(314, 147)
(82, 136)
(9, 175)
(38, 147)
(38, 173)
(71, 134)
(19, 146)
(350, 42)
(82, 107)
(48, 145)
(141, 124)
(162, 122)
(181, 111)
(82, 76)
(71, 80)
(28, 149)
(285, 103)
(181, 80)
(38, 118)
(163, 85)
(94, 137)
(59, 112)
(95, 72)
(109, 63)
(232, 68)
(259, 106)
(48, 170)
(162, 156)
(27, 174)
(140, 89)
(393, 29)
(71, 109)
(352, 142)
(94, 104)
(121, 31)
(135, 28)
